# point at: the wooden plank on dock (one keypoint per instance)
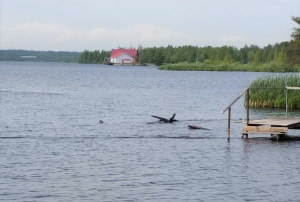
(279, 131)
(290, 122)
(265, 130)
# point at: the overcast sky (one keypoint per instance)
(77, 25)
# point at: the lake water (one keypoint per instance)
(53, 148)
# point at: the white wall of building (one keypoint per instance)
(121, 57)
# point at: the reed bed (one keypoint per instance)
(275, 95)
(207, 66)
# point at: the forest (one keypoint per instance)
(94, 57)
(190, 56)
(225, 58)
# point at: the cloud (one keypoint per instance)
(56, 36)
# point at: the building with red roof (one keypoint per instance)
(124, 56)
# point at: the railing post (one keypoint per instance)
(286, 102)
(228, 129)
(248, 103)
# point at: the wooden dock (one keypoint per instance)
(273, 126)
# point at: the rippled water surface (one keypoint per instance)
(53, 147)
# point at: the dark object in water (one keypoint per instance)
(101, 121)
(171, 120)
(197, 127)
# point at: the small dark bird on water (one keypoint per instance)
(101, 121)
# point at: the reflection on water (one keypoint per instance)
(53, 147)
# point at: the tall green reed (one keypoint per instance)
(270, 92)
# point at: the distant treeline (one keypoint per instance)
(95, 57)
(215, 55)
(271, 58)
(39, 56)
(201, 58)
(279, 57)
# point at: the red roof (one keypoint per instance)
(117, 52)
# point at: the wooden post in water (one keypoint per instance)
(228, 128)
(248, 103)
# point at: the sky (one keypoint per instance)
(78, 25)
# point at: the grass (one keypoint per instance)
(207, 66)
(275, 97)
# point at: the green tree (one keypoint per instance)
(294, 48)
(158, 57)
(257, 57)
(282, 56)
(228, 59)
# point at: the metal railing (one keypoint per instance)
(229, 110)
